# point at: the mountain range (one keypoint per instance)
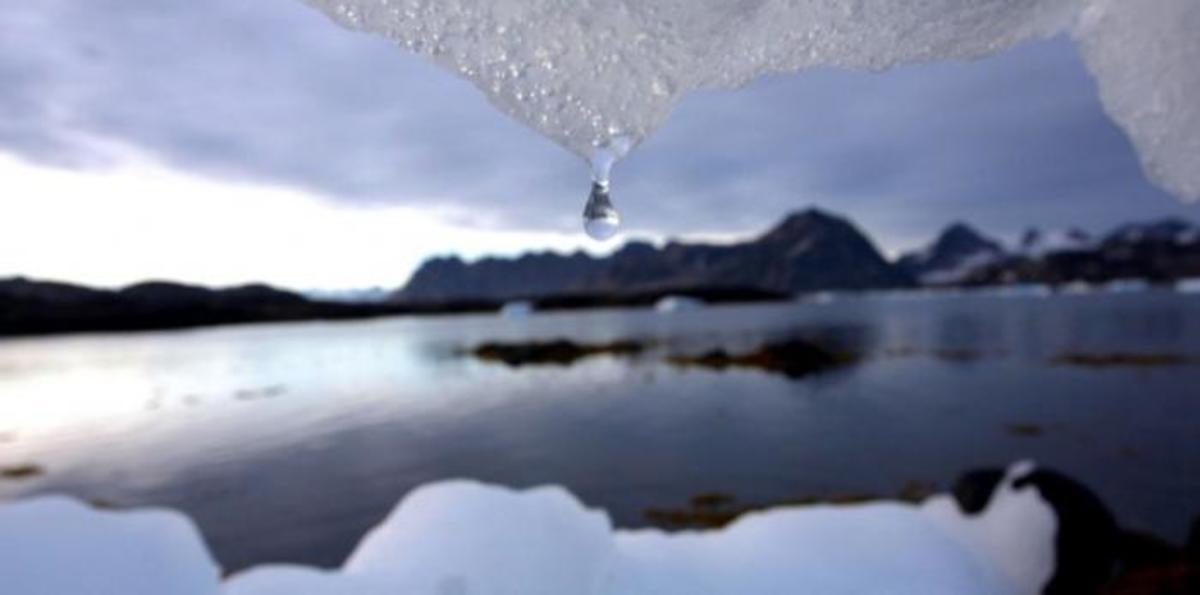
(813, 250)
(808, 251)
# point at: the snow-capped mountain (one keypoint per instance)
(957, 251)
(1165, 231)
(1036, 243)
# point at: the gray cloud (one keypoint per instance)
(271, 91)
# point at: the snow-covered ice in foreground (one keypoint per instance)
(468, 538)
(59, 546)
(604, 74)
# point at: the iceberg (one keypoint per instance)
(677, 303)
(516, 310)
(599, 77)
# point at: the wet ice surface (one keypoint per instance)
(287, 442)
(462, 538)
(588, 73)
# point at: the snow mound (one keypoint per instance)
(59, 546)
(467, 538)
(605, 74)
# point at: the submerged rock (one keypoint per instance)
(1111, 360)
(559, 352)
(25, 471)
(794, 358)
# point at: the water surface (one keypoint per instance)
(286, 442)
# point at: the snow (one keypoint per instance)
(1015, 534)
(961, 269)
(1040, 243)
(467, 538)
(56, 545)
(605, 75)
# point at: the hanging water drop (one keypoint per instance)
(600, 217)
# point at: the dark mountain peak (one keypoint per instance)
(804, 219)
(165, 292)
(447, 260)
(808, 250)
(1029, 237)
(259, 293)
(634, 249)
(957, 251)
(806, 226)
(960, 238)
(24, 288)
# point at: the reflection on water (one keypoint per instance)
(286, 442)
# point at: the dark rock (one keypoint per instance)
(21, 471)
(560, 352)
(794, 358)
(1086, 544)
(973, 490)
(1111, 360)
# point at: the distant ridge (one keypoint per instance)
(1158, 251)
(30, 307)
(957, 251)
(809, 250)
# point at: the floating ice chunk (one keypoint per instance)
(517, 309)
(1188, 286)
(677, 303)
(56, 545)
(591, 75)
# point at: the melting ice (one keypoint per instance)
(587, 73)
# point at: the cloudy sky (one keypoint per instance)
(227, 141)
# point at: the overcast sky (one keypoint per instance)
(226, 141)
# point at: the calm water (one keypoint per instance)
(286, 442)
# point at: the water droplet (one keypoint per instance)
(600, 217)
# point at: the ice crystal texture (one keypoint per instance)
(586, 72)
